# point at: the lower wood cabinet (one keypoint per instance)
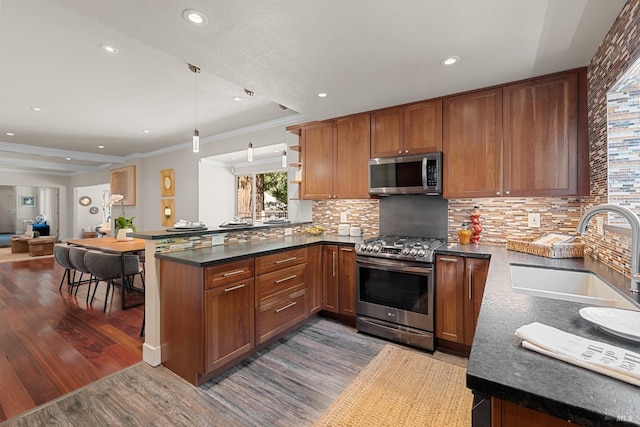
(339, 281)
(459, 288)
(507, 414)
(207, 316)
(314, 278)
(229, 322)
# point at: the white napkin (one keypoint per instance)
(596, 356)
(184, 223)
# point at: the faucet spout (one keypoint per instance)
(634, 221)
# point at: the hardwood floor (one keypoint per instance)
(52, 343)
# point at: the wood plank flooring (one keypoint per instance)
(290, 383)
(52, 343)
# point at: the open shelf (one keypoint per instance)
(294, 148)
(295, 165)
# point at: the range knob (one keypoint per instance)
(376, 248)
(357, 247)
(405, 251)
(413, 252)
(369, 247)
(421, 253)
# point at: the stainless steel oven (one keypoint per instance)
(395, 296)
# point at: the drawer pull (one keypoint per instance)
(291, 304)
(346, 249)
(233, 288)
(293, 276)
(233, 273)
(448, 259)
(293, 258)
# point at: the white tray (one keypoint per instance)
(616, 321)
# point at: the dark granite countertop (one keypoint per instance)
(223, 253)
(165, 234)
(500, 367)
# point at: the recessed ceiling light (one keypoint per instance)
(194, 16)
(68, 158)
(322, 95)
(10, 133)
(100, 146)
(35, 108)
(450, 60)
(238, 98)
(146, 131)
(109, 48)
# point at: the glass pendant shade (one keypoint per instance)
(284, 159)
(196, 141)
(250, 152)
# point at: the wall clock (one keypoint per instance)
(85, 200)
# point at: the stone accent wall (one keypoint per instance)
(363, 213)
(616, 54)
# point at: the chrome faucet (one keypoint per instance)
(634, 221)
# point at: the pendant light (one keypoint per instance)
(196, 133)
(284, 137)
(250, 152)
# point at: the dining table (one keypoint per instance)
(114, 246)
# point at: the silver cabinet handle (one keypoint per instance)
(507, 192)
(233, 273)
(448, 259)
(233, 288)
(346, 249)
(291, 304)
(333, 255)
(470, 282)
(286, 260)
(293, 276)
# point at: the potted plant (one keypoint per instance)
(122, 224)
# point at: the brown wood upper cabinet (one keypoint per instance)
(409, 129)
(335, 156)
(523, 139)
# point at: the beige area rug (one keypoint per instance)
(7, 256)
(401, 387)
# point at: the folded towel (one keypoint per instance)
(596, 356)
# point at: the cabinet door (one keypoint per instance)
(541, 137)
(317, 142)
(330, 278)
(347, 280)
(472, 144)
(314, 278)
(387, 132)
(353, 144)
(475, 278)
(229, 322)
(449, 298)
(423, 127)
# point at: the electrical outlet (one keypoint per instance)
(343, 217)
(600, 225)
(288, 231)
(534, 220)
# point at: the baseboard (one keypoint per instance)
(151, 355)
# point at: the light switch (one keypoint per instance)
(343, 217)
(534, 220)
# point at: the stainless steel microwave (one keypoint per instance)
(417, 174)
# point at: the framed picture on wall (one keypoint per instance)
(123, 181)
(27, 200)
(167, 187)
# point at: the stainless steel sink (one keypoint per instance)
(566, 285)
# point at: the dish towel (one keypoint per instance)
(596, 356)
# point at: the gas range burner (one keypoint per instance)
(400, 247)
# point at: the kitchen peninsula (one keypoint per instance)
(498, 366)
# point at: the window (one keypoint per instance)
(267, 192)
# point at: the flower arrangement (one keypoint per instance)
(122, 221)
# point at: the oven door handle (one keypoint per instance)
(393, 266)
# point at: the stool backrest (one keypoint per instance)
(76, 255)
(61, 255)
(107, 266)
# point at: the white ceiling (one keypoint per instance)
(365, 54)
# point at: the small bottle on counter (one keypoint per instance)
(464, 235)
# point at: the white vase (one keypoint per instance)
(122, 234)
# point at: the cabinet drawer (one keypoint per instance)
(278, 282)
(228, 273)
(280, 314)
(268, 263)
